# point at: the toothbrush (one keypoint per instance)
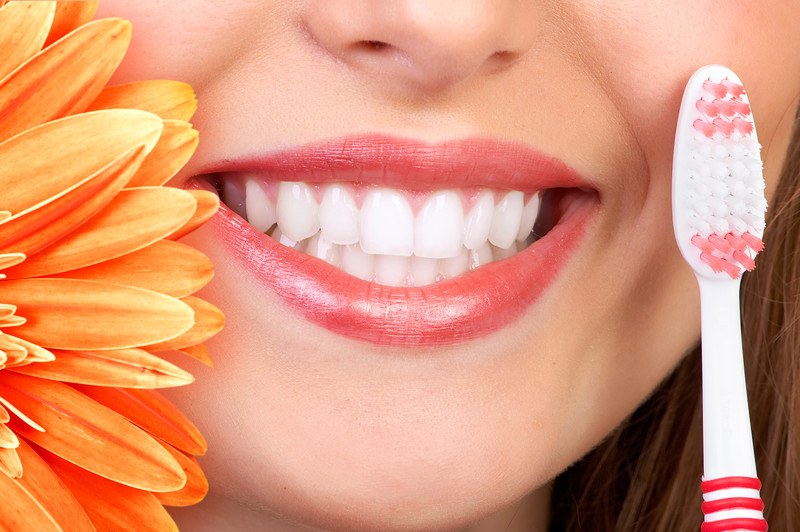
(718, 208)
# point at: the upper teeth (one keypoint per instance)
(373, 232)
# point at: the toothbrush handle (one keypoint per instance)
(730, 485)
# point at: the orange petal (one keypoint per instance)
(174, 149)
(21, 511)
(64, 78)
(168, 99)
(109, 505)
(25, 26)
(199, 352)
(134, 219)
(207, 205)
(196, 486)
(90, 435)
(32, 230)
(152, 412)
(77, 147)
(78, 314)
(208, 321)
(168, 267)
(45, 486)
(131, 368)
(70, 15)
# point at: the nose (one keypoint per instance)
(430, 44)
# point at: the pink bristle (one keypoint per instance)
(727, 107)
(707, 108)
(736, 242)
(744, 126)
(704, 127)
(702, 244)
(723, 126)
(719, 243)
(719, 264)
(748, 263)
(732, 87)
(717, 89)
(755, 243)
(743, 108)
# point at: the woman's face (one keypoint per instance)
(339, 403)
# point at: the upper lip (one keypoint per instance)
(410, 164)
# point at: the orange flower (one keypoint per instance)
(94, 284)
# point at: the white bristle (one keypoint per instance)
(718, 180)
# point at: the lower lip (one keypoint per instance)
(463, 308)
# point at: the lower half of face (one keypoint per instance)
(446, 258)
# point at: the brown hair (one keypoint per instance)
(646, 475)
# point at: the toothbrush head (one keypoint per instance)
(718, 202)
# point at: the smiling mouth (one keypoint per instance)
(398, 242)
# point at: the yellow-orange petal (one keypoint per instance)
(168, 267)
(10, 463)
(196, 486)
(76, 148)
(109, 505)
(45, 486)
(36, 228)
(152, 412)
(130, 368)
(199, 352)
(35, 353)
(21, 511)
(78, 314)
(23, 30)
(90, 435)
(208, 321)
(8, 440)
(69, 15)
(174, 149)
(63, 78)
(8, 260)
(134, 219)
(171, 100)
(207, 206)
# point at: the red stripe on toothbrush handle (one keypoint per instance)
(730, 482)
(731, 503)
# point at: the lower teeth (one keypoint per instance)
(393, 270)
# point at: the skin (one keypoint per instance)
(315, 430)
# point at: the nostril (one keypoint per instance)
(372, 46)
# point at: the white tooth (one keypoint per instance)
(233, 195)
(391, 270)
(529, 214)
(504, 253)
(481, 256)
(455, 266)
(479, 221)
(356, 262)
(318, 246)
(506, 219)
(260, 210)
(423, 271)
(278, 235)
(338, 215)
(439, 226)
(298, 212)
(386, 223)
